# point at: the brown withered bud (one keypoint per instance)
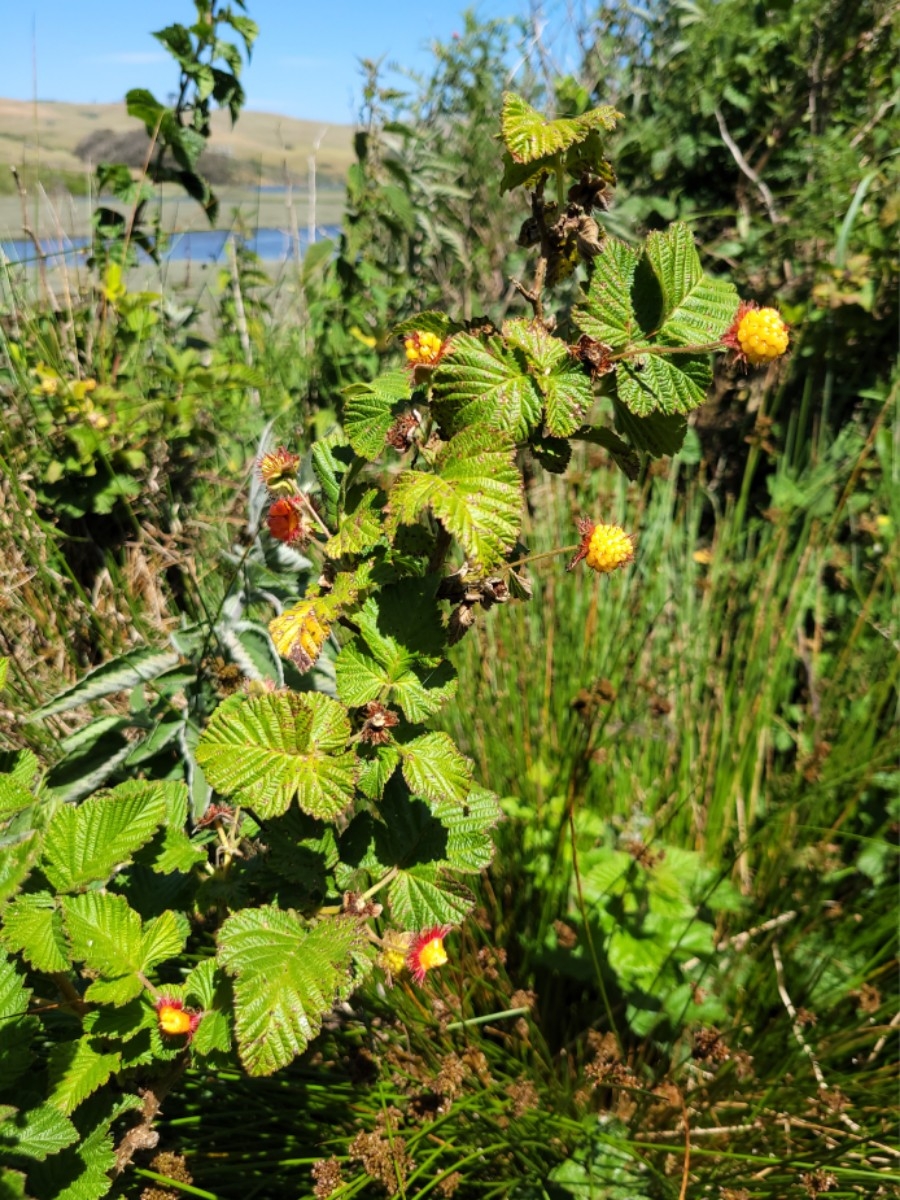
(461, 621)
(215, 812)
(593, 355)
(709, 1047)
(358, 906)
(494, 591)
(402, 433)
(590, 192)
(378, 722)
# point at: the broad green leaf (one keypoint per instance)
(476, 494)
(16, 1027)
(622, 454)
(171, 849)
(104, 932)
(484, 384)
(14, 796)
(85, 844)
(331, 457)
(377, 765)
(21, 766)
(16, 862)
(400, 657)
(608, 313)
(76, 1070)
(697, 309)
(671, 383)
(565, 387)
(528, 135)
(657, 434)
(286, 979)
(275, 747)
(434, 768)
(121, 674)
(40, 1131)
(32, 924)
(422, 897)
(84, 1171)
(432, 321)
(470, 847)
(370, 409)
(361, 524)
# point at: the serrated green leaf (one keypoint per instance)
(16, 1027)
(434, 768)
(671, 384)
(16, 861)
(608, 313)
(371, 408)
(272, 748)
(528, 135)
(566, 389)
(286, 980)
(697, 309)
(32, 924)
(331, 458)
(657, 434)
(121, 674)
(421, 897)
(476, 494)
(85, 844)
(19, 765)
(104, 932)
(432, 321)
(377, 765)
(40, 1131)
(14, 796)
(76, 1070)
(84, 1171)
(171, 849)
(470, 847)
(361, 525)
(482, 383)
(162, 938)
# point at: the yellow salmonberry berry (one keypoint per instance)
(278, 471)
(757, 335)
(762, 335)
(174, 1018)
(603, 547)
(422, 348)
(427, 952)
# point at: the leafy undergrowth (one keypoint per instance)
(680, 980)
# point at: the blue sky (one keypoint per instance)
(305, 63)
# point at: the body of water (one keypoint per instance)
(199, 246)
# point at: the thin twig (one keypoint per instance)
(763, 189)
(798, 1033)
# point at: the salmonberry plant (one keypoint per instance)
(335, 833)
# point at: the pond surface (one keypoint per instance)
(199, 246)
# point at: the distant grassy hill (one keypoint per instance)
(59, 141)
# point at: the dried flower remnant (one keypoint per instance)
(402, 434)
(604, 548)
(756, 335)
(427, 952)
(379, 721)
(174, 1019)
(278, 471)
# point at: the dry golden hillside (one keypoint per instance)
(262, 147)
